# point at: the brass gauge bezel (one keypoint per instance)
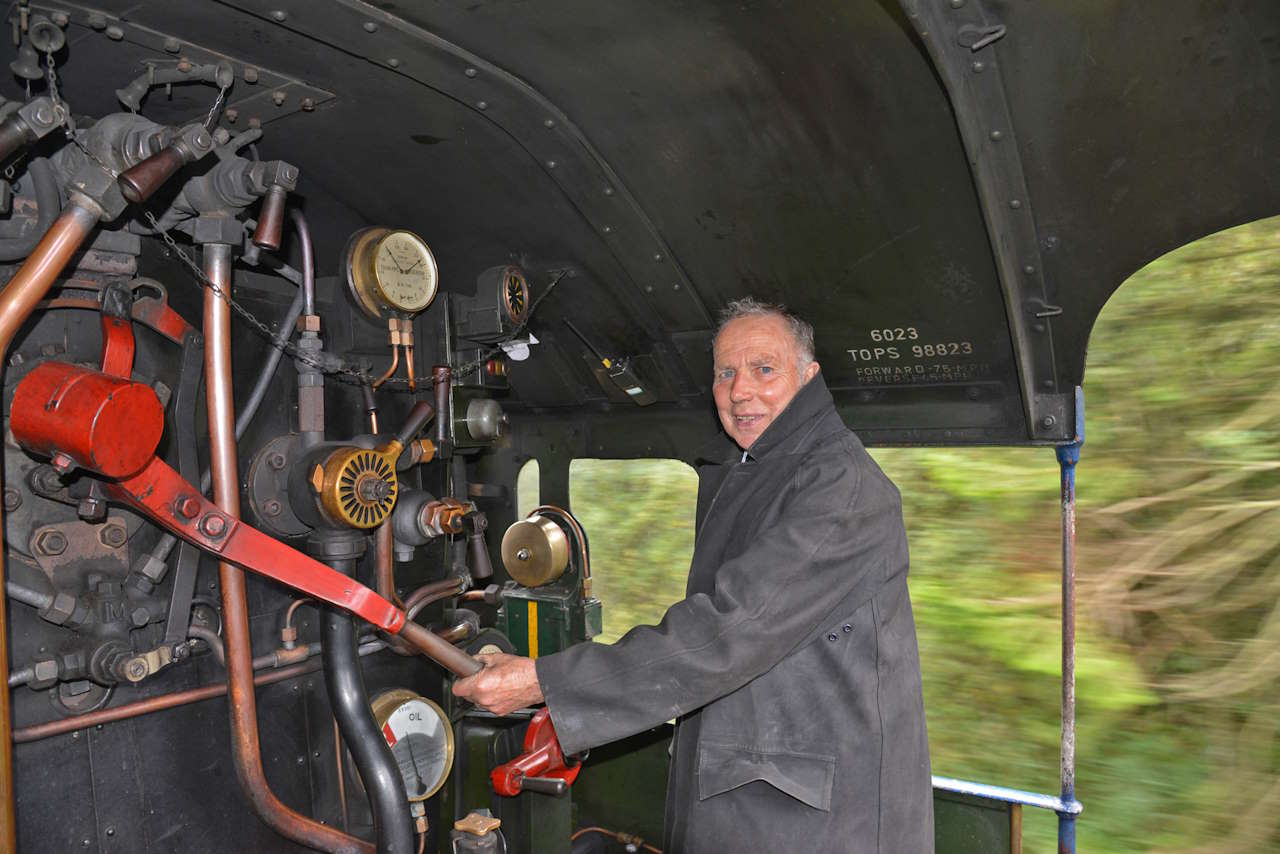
(385, 705)
(513, 295)
(368, 290)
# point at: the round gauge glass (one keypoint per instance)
(421, 740)
(406, 272)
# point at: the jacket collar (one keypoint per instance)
(804, 414)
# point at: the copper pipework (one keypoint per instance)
(17, 301)
(395, 363)
(408, 366)
(153, 704)
(235, 610)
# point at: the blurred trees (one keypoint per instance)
(1179, 569)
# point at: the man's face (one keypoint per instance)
(756, 375)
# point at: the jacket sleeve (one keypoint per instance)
(821, 544)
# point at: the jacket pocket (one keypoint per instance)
(807, 777)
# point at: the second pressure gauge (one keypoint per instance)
(390, 272)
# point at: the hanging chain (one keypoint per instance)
(287, 347)
(62, 111)
(211, 119)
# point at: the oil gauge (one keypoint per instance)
(421, 740)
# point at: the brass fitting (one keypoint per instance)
(357, 486)
(309, 323)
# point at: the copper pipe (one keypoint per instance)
(17, 301)
(433, 591)
(458, 632)
(177, 698)
(293, 609)
(153, 704)
(395, 363)
(235, 610)
(408, 366)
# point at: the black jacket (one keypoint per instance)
(791, 665)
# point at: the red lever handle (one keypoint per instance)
(542, 760)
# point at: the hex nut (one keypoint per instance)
(271, 507)
(213, 525)
(231, 114)
(277, 97)
(140, 617)
(62, 609)
(46, 673)
(51, 542)
(12, 500)
(277, 461)
(113, 536)
(309, 323)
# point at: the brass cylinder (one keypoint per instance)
(535, 551)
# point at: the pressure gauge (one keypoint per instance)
(421, 740)
(390, 272)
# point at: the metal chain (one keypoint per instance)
(346, 375)
(212, 117)
(62, 111)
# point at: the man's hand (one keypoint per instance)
(507, 683)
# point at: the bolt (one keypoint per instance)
(140, 617)
(523, 554)
(548, 123)
(184, 65)
(187, 507)
(232, 114)
(470, 72)
(62, 463)
(608, 229)
(1038, 327)
(271, 508)
(482, 105)
(113, 535)
(317, 478)
(978, 67)
(202, 140)
(277, 97)
(1015, 203)
(181, 651)
(676, 286)
(86, 842)
(115, 33)
(213, 525)
(308, 105)
(608, 191)
(99, 23)
(657, 256)
(997, 135)
(301, 760)
(12, 500)
(61, 18)
(280, 15)
(44, 115)
(648, 289)
(135, 670)
(172, 45)
(255, 123)
(221, 136)
(250, 74)
(956, 4)
(1048, 421)
(393, 62)
(51, 542)
(370, 27)
(1029, 270)
(551, 164)
(16, 359)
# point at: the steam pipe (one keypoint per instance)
(17, 301)
(48, 201)
(308, 261)
(235, 610)
(350, 702)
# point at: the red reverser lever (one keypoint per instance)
(541, 768)
(110, 426)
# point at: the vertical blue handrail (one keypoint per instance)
(1068, 456)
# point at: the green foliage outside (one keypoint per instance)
(1179, 569)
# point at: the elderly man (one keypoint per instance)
(791, 665)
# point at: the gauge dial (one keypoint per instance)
(420, 737)
(390, 272)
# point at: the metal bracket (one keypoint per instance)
(961, 38)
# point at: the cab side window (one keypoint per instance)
(639, 519)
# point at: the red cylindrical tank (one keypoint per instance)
(101, 423)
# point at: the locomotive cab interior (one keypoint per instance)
(294, 290)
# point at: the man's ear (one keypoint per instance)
(811, 371)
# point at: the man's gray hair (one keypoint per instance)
(801, 332)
